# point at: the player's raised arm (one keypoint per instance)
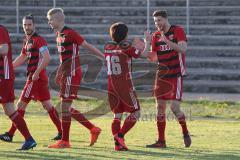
(145, 46)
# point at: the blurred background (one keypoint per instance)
(212, 28)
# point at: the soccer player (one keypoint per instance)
(169, 44)
(121, 93)
(7, 91)
(36, 88)
(69, 75)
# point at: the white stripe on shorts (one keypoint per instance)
(68, 85)
(28, 91)
(179, 88)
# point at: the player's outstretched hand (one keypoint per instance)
(147, 36)
(138, 44)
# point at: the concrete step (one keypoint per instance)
(75, 19)
(109, 3)
(62, 3)
(137, 29)
(205, 40)
(213, 51)
(127, 10)
(214, 62)
(214, 3)
(214, 29)
(212, 74)
(193, 51)
(211, 86)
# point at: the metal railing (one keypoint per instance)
(147, 7)
(17, 14)
(187, 15)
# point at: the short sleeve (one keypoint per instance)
(153, 46)
(128, 49)
(4, 38)
(180, 35)
(77, 38)
(42, 45)
(133, 52)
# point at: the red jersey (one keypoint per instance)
(33, 48)
(6, 67)
(170, 63)
(68, 42)
(117, 58)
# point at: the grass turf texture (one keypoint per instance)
(214, 127)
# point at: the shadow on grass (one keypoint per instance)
(106, 153)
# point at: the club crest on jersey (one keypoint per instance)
(61, 48)
(28, 48)
(29, 45)
(61, 38)
(170, 37)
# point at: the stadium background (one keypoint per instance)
(212, 27)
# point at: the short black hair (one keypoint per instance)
(30, 17)
(118, 31)
(162, 13)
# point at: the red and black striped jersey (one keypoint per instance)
(33, 48)
(170, 62)
(68, 42)
(6, 67)
(117, 58)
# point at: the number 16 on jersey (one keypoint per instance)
(113, 65)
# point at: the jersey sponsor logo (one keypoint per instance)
(61, 39)
(164, 47)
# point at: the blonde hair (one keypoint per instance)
(58, 11)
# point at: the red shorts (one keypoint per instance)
(35, 90)
(124, 101)
(168, 88)
(69, 86)
(7, 91)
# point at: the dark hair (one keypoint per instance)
(162, 13)
(30, 17)
(118, 31)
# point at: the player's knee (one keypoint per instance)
(21, 105)
(118, 116)
(47, 105)
(161, 106)
(135, 115)
(176, 111)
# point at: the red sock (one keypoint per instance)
(183, 124)
(13, 128)
(81, 119)
(55, 119)
(129, 122)
(161, 125)
(66, 123)
(20, 124)
(116, 125)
